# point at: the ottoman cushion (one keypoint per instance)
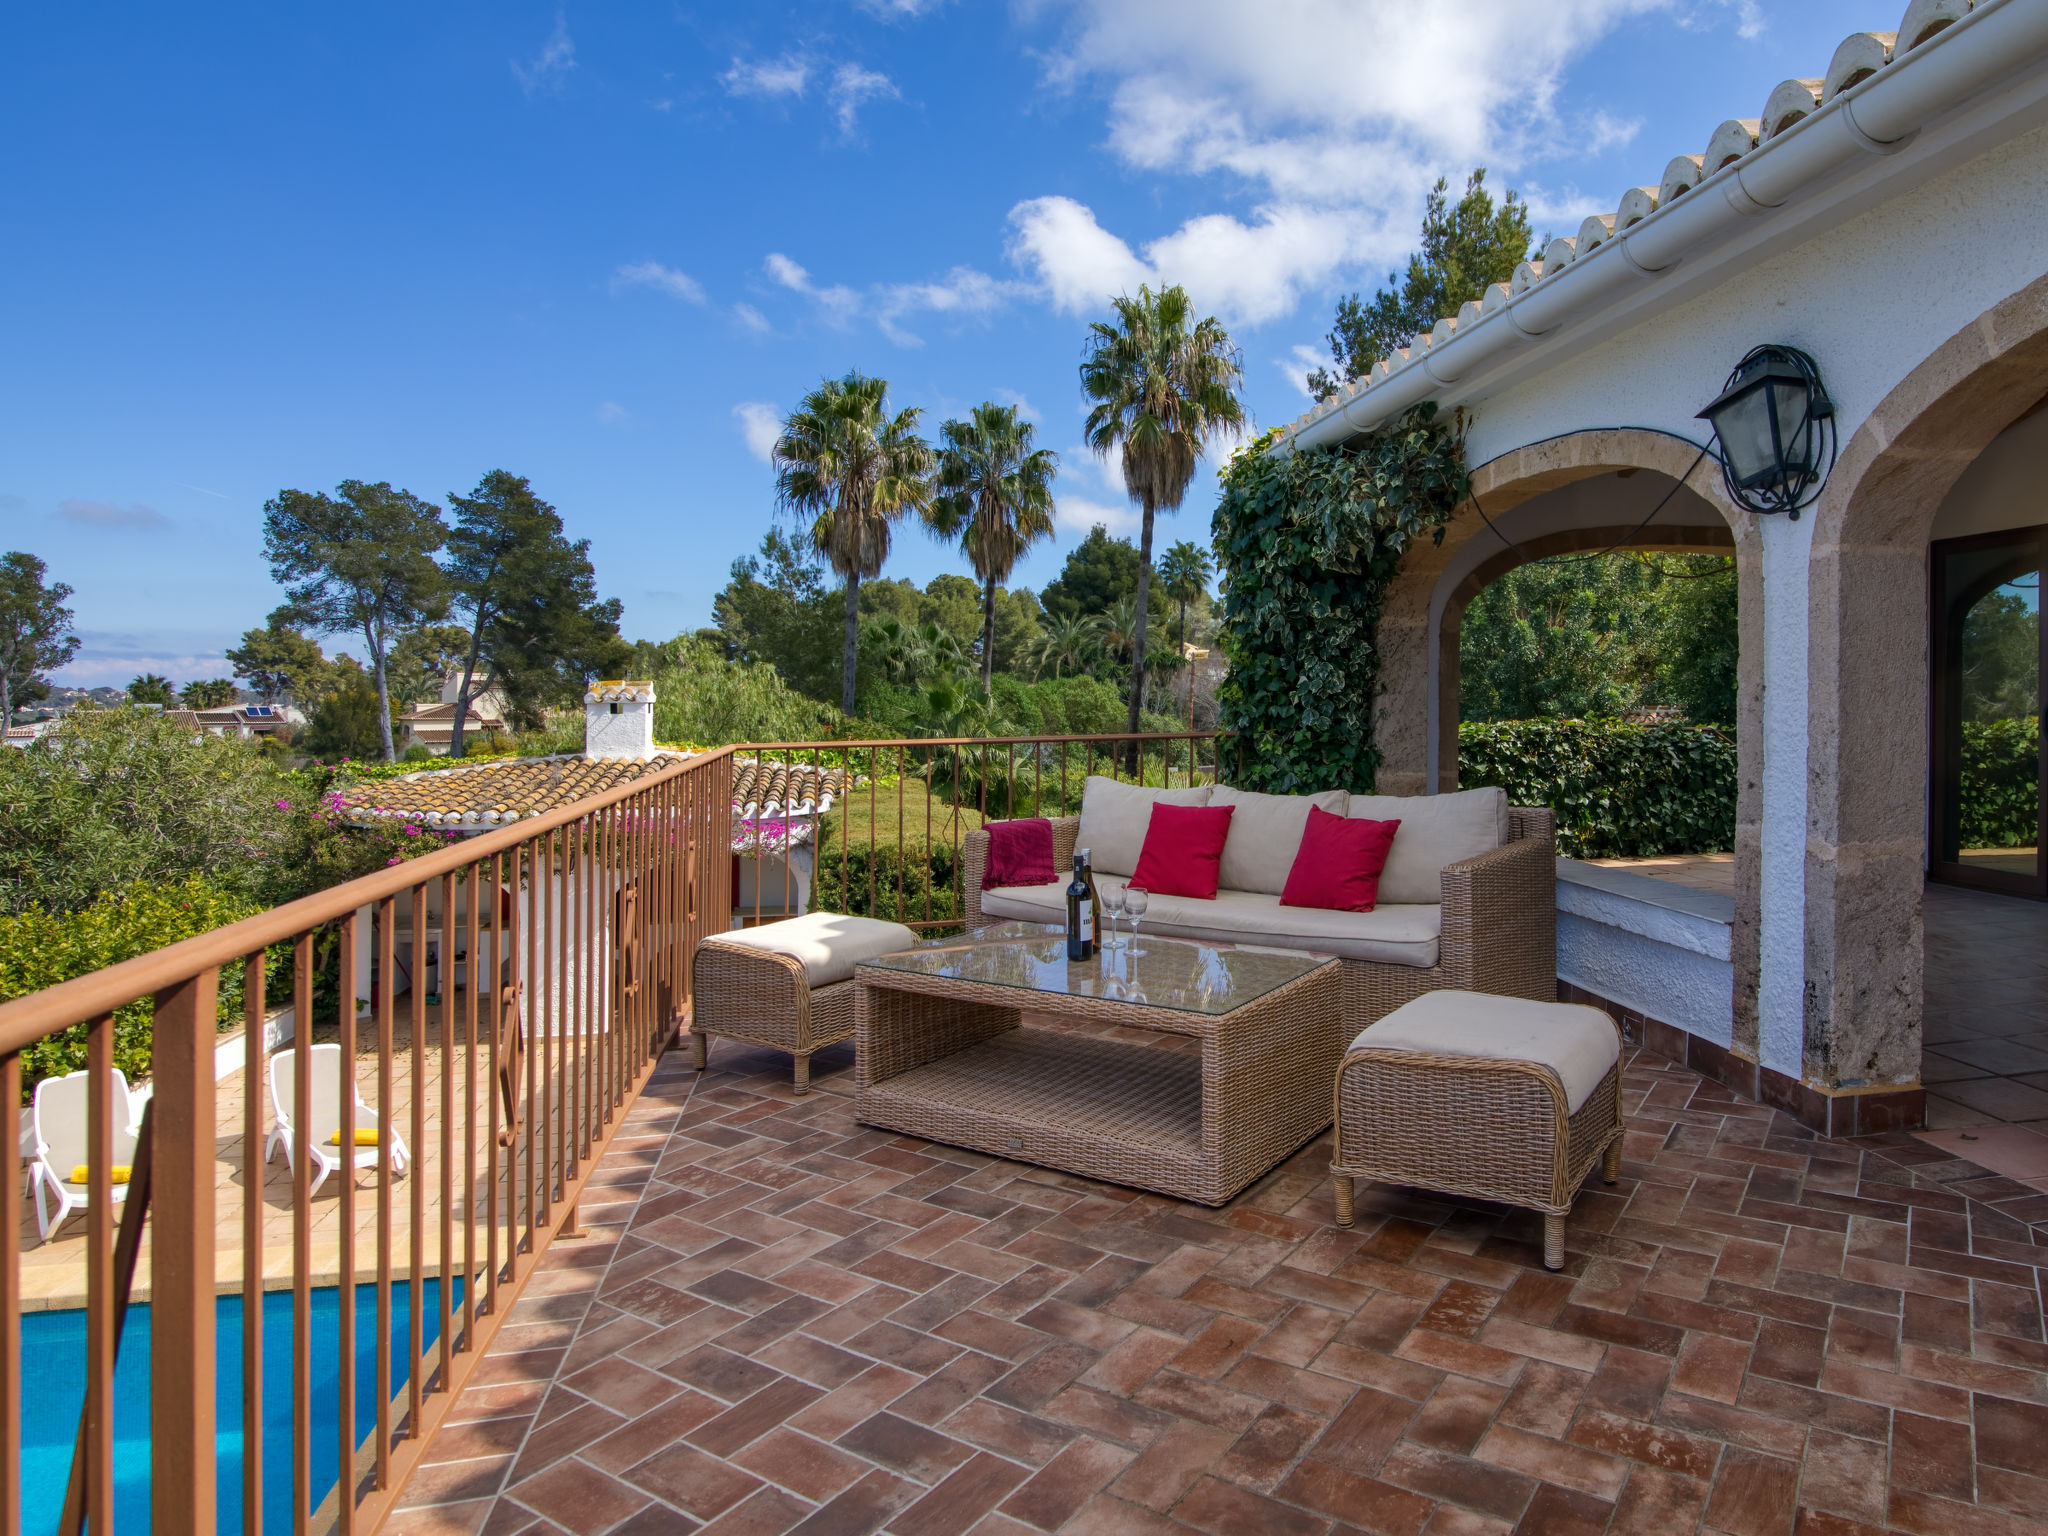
(828, 944)
(1577, 1043)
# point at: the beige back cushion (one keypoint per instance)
(1435, 830)
(1265, 835)
(1114, 818)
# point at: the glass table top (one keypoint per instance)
(1188, 975)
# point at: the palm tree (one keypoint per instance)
(853, 470)
(995, 496)
(1184, 576)
(1162, 384)
(1063, 643)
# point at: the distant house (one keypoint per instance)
(25, 736)
(433, 725)
(245, 721)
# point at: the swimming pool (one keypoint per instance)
(53, 1381)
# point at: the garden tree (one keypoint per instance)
(421, 659)
(346, 725)
(1098, 571)
(994, 494)
(152, 688)
(210, 693)
(360, 561)
(2001, 653)
(850, 469)
(1589, 639)
(775, 608)
(279, 661)
(502, 553)
(1019, 619)
(702, 697)
(1184, 575)
(1465, 248)
(1162, 384)
(1065, 644)
(553, 633)
(35, 631)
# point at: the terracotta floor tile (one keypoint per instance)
(806, 1324)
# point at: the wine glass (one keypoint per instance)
(1113, 905)
(1136, 899)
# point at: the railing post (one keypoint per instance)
(181, 1261)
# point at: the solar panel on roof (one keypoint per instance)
(260, 711)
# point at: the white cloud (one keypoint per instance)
(1016, 398)
(1248, 272)
(760, 425)
(900, 10)
(752, 319)
(104, 514)
(962, 292)
(1335, 118)
(837, 303)
(786, 76)
(652, 274)
(552, 65)
(851, 87)
(1302, 360)
(611, 413)
(1076, 515)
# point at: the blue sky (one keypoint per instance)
(247, 247)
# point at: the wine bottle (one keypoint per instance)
(1094, 896)
(1080, 913)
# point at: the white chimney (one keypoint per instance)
(618, 720)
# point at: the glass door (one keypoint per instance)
(1987, 808)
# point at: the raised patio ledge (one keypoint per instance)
(1656, 955)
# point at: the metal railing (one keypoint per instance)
(522, 985)
(888, 842)
(559, 953)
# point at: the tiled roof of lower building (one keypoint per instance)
(494, 794)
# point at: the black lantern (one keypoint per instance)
(1776, 428)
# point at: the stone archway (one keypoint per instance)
(1417, 708)
(1866, 812)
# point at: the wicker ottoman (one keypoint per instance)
(1495, 1098)
(787, 985)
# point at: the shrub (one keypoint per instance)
(1620, 791)
(2001, 778)
(39, 948)
(120, 798)
(889, 882)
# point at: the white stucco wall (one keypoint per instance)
(1659, 948)
(1871, 299)
(2007, 487)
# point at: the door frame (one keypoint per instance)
(1943, 669)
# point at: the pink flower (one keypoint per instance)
(284, 805)
(394, 859)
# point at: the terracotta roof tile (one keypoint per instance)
(494, 793)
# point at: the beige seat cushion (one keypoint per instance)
(1114, 818)
(1265, 835)
(1579, 1044)
(1403, 935)
(1435, 830)
(829, 944)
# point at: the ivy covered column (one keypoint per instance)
(1308, 540)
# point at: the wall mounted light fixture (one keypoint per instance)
(1776, 429)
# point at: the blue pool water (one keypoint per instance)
(53, 1393)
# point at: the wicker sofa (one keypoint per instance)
(1492, 928)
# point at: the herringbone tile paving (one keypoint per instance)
(795, 1323)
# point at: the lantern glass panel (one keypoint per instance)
(1743, 423)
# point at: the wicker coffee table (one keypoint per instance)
(962, 1041)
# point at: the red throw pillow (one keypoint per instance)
(1339, 862)
(1183, 850)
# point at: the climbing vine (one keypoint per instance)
(1308, 541)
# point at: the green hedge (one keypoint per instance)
(2001, 786)
(889, 882)
(39, 949)
(1619, 790)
